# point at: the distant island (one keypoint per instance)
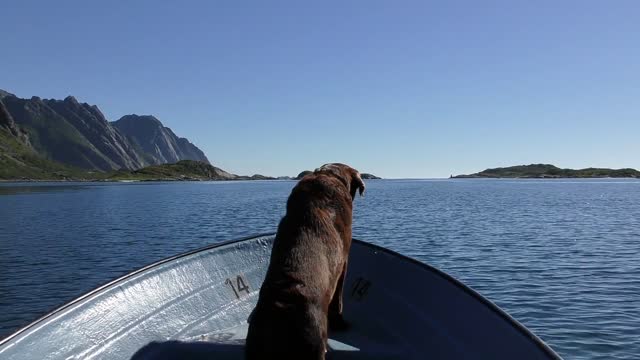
(547, 171)
(365, 176)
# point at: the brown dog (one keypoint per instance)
(301, 296)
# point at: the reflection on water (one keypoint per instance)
(559, 256)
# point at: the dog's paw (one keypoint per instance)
(338, 323)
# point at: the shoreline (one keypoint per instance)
(132, 180)
(124, 181)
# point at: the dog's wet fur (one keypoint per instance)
(301, 297)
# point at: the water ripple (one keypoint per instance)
(559, 256)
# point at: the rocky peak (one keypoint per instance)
(148, 133)
(71, 100)
(4, 94)
(138, 123)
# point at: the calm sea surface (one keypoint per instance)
(562, 257)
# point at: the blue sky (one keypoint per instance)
(396, 88)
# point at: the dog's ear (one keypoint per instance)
(356, 184)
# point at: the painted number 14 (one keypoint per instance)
(239, 285)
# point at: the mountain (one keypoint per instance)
(158, 143)
(71, 133)
(78, 135)
(551, 171)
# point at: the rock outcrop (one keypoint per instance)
(159, 144)
(8, 124)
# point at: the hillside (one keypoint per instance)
(78, 135)
(18, 159)
(551, 171)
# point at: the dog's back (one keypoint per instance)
(307, 264)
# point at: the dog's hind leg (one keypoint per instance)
(336, 318)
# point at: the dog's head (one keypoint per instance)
(345, 173)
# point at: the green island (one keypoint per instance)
(547, 171)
